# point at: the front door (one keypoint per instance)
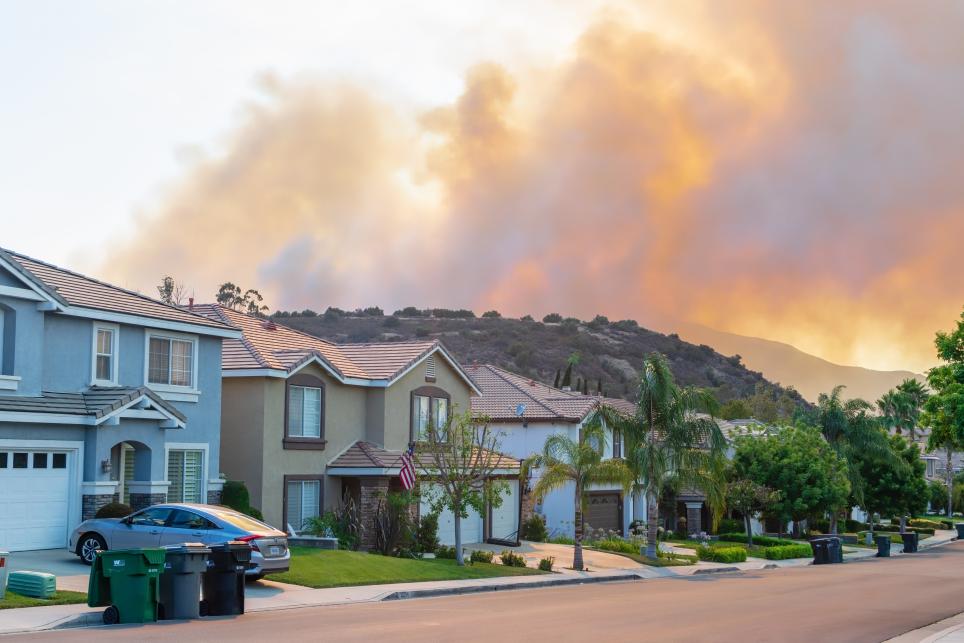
(142, 529)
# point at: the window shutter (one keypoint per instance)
(296, 407)
(127, 466)
(430, 369)
(193, 466)
(175, 474)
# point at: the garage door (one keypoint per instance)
(471, 526)
(35, 502)
(505, 518)
(603, 512)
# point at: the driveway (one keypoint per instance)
(70, 572)
(533, 552)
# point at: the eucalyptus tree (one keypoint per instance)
(564, 461)
(671, 441)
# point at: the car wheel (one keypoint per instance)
(88, 547)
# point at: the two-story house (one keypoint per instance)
(526, 412)
(105, 394)
(306, 421)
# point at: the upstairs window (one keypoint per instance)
(105, 354)
(304, 412)
(171, 361)
(617, 445)
(430, 407)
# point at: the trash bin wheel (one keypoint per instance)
(203, 608)
(111, 616)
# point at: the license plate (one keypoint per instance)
(274, 551)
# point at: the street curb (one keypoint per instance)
(716, 570)
(476, 589)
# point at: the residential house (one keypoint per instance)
(105, 394)
(526, 412)
(307, 422)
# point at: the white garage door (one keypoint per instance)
(35, 498)
(471, 526)
(505, 518)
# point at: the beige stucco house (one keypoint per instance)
(306, 421)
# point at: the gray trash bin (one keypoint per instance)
(4, 565)
(180, 595)
(883, 546)
(960, 530)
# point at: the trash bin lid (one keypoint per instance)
(187, 548)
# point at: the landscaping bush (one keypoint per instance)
(729, 526)
(534, 529)
(894, 536)
(614, 544)
(763, 541)
(721, 554)
(393, 524)
(782, 552)
(341, 523)
(481, 556)
(114, 510)
(511, 559)
(672, 555)
(443, 551)
(426, 534)
(855, 525)
(235, 495)
(923, 531)
(546, 563)
(562, 540)
(928, 524)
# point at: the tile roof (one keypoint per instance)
(95, 402)
(74, 289)
(363, 455)
(268, 344)
(503, 392)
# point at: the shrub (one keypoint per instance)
(114, 510)
(546, 563)
(763, 541)
(341, 523)
(491, 314)
(481, 556)
(562, 540)
(730, 526)
(721, 554)
(235, 495)
(552, 318)
(511, 559)
(393, 524)
(894, 536)
(426, 534)
(443, 551)
(928, 524)
(391, 322)
(671, 555)
(782, 552)
(534, 529)
(614, 544)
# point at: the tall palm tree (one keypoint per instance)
(564, 460)
(916, 394)
(895, 411)
(669, 443)
(850, 429)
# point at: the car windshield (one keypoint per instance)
(241, 521)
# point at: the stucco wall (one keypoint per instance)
(24, 342)
(242, 420)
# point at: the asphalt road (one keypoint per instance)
(870, 600)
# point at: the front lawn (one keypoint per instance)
(61, 597)
(324, 568)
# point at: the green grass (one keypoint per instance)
(679, 560)
(322, 568)
(62, 597)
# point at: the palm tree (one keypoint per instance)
(895, 411)
(564, 460)
(850, 429)
(669, 444)
(916, 395)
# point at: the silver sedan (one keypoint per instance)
(177, 523)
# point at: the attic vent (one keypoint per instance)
(430, 369)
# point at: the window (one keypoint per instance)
(3, 460)
(105, 354)
(190, 520)
(303, 502)
(185, 472)
(617, 445)
(152, 517)
(170, 361)
(430, 407)
(304, 412)
(39, 460)
(60, 461)
(19, 460)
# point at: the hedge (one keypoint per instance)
(923, 531)
(612, 544)
(930, 524)
(783, 552)
(721, 554)
(894, 536)
(763, 541)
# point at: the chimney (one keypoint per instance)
(190, 303)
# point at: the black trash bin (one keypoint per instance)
(960, 530)
(820, 551)
(910, 541)
(834, 550)
(222, 585)
(181, 581)
(883, 546)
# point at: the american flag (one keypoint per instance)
(407, 473)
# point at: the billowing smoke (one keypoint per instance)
(785, 170)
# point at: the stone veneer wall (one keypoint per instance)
(143, 500)
(91, 503)
(214, 497)
(372, 491)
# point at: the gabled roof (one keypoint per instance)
(96, 403)
(367, 455)
(69, 292)
(267, 345)
(504, 393)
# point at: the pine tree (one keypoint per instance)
(599, 390)
(567, 377)
(585, 386)
(555, 382)
(578, 384)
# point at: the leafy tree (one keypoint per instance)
(944, 409)
(526, 318)
(564, 461)
(599, 321)
(750, 498)
(552, 318)
(735, 410)
(937, 494)
(460, 457)
(491, 314)
(228, 295)
(667, 444)
(171, 291)
(894, 486)
(250, 301)
(799, 463)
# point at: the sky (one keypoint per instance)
(777, 169)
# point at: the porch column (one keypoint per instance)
(145, 493)
(694, 517)
(373, 489)
(96, 495)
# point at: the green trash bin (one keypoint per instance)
(127, 582)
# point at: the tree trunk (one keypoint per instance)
(577, 563)
(950, 484)
(459, 558)
(749, 529)
(833, 522)
(903, 524)
(652, 525)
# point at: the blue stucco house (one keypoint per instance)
(105, 394)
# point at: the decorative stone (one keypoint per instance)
(143, 500)
(373, 490)
(92, 503)
(214, 497)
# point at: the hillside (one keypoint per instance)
(610, 352)
(787, 365)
